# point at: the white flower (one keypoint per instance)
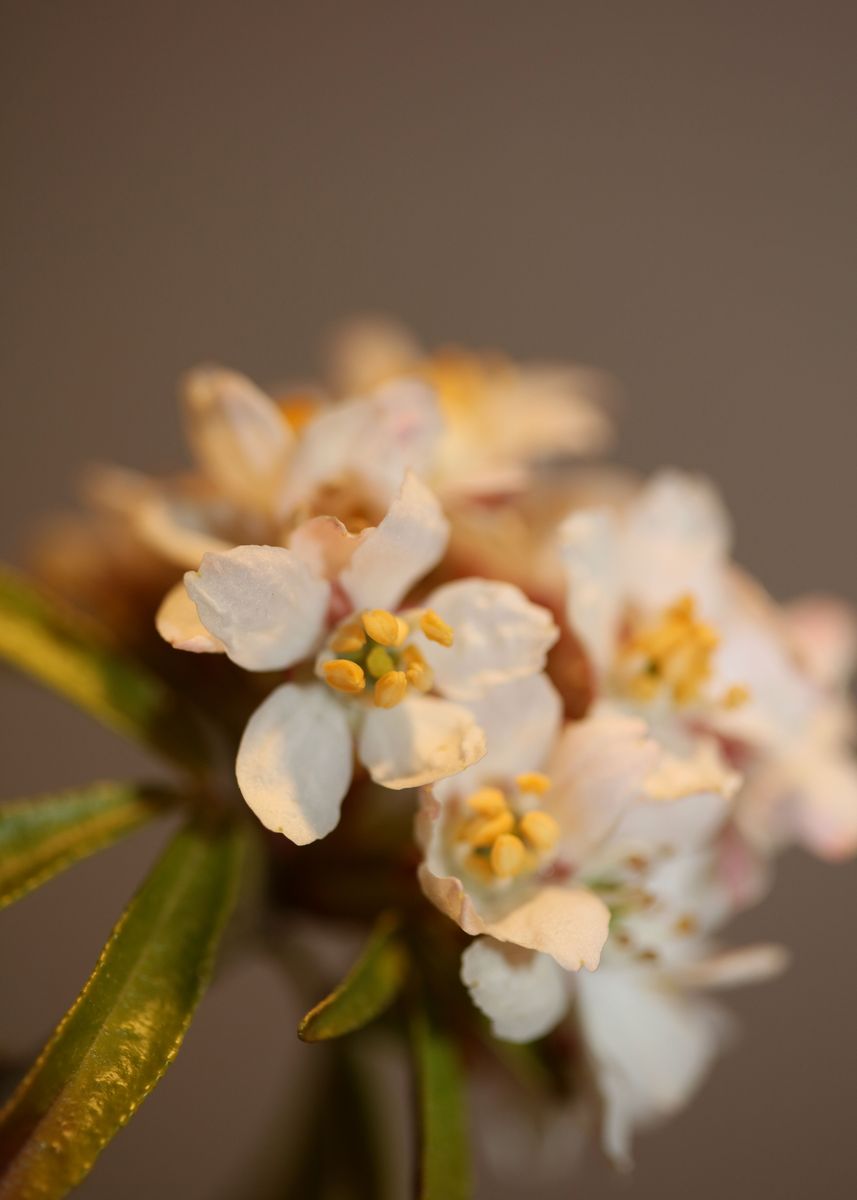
(648, 1031)
(501, 417)
(554, 828)
(383, 683)
(263, 465)
(676, 633)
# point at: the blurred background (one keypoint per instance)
(664, 190)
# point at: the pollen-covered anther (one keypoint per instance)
(676, 654)
(540, 829)
(735, 696)
(417, 670)
(349, 639)
(487, 801)
(484, 831)
(390, 689)
(384, 627)
(435, 628)
(344, 676)
(534, 781)
(508, 856)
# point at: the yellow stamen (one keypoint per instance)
(419, 673)
(534, 781)
(298, 409)
(435, 628)
(390, 689)
(507, 856)
(540, 829)
(677, 654)
(735, 696)
(383, 627)
(484, 832)
(379, 661)
(349, 639)
(344, 676)
(488, 801)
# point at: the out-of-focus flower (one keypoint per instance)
(555, 830)
(675, 632)
(501, 417)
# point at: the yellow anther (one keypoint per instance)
(686, 925)
(390, 689)
(349, 639)
(533, 781)
(677, 655)
(379, 661)
(735, 696)
(383, 627)
(344, 675)
(298, 409)
(488, 801)
(419, 673)
(435, 628)
(484, 832)
(507, 856)
(540, 829)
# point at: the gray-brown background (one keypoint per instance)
(665, 190)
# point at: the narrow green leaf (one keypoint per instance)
(66, 652)
(370, 987)
(41, 837)
(444, 1158)
(126, 1026)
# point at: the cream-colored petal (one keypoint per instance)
(499, 636)
(404, 547)
(325, 545)
(522, 993)
(181, 528)
(237, 433)
(521, 721)
(295, 761)
(823, 631)
(367, 351)
(570, 924)
(178, 623)
(421, 740)
(591, 552)
(262, 602)
(735, 968)
(677, 538)
(650, 1047)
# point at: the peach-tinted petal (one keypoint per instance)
(178, 623)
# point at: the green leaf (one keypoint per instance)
(126, 1026)
(63, 650)
(369, 989)
(444, 1161)
(41, 837)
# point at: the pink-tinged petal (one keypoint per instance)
(520, 721)
(677, 537)
(178, 623)
(591, 552)
(262, 602)
(391, 558)
(325, 545)
(823, 631)
(421, 740)
(182, 528)
(522, 993)
(499, 636)
(650, 1047)
(237, 434)
(734, 968)
(295, 762)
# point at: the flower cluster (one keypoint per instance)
(604, 728)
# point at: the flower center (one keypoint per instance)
(503, 836)
(375, 655)
(673, 656)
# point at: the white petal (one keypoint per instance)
(824, 632)
(651, 1047)
(182, 528)
(523, 994)
(262, 602)
(677, 538)
(178, 623)
(734, 968)
(521, 721)
(237, 433)
(499, 636)
(421, 740)
(294, 762)
(391, 558)
(592, 557)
